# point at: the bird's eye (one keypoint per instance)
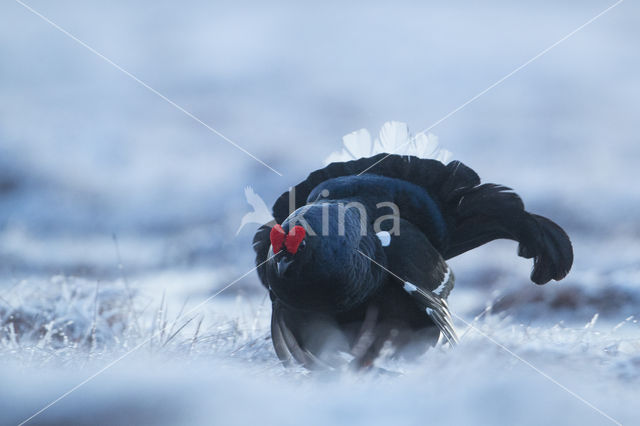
(302, 245)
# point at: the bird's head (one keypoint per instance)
(286, 245)
(314, 262)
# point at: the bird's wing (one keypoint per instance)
(437, 309)
(416, 266)
(449, 204)
(285, 343)
(310, 339)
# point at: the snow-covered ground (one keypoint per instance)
(118, 213)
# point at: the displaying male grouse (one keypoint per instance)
(359, 262)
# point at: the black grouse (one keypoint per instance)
(357, 261)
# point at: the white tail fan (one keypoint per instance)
(394, 138)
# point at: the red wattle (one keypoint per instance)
(295, 237)
(277, 237)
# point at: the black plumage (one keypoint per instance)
(339, 290)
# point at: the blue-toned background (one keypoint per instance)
(87, 153)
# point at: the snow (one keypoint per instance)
(119, 213)
(228, 372)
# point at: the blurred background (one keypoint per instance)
(102, 181)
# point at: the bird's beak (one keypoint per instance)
(283, 265)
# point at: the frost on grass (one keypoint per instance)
(216, 364)
(61, 316)
(199, 365)
(68, 320)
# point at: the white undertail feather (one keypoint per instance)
(394, 138)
